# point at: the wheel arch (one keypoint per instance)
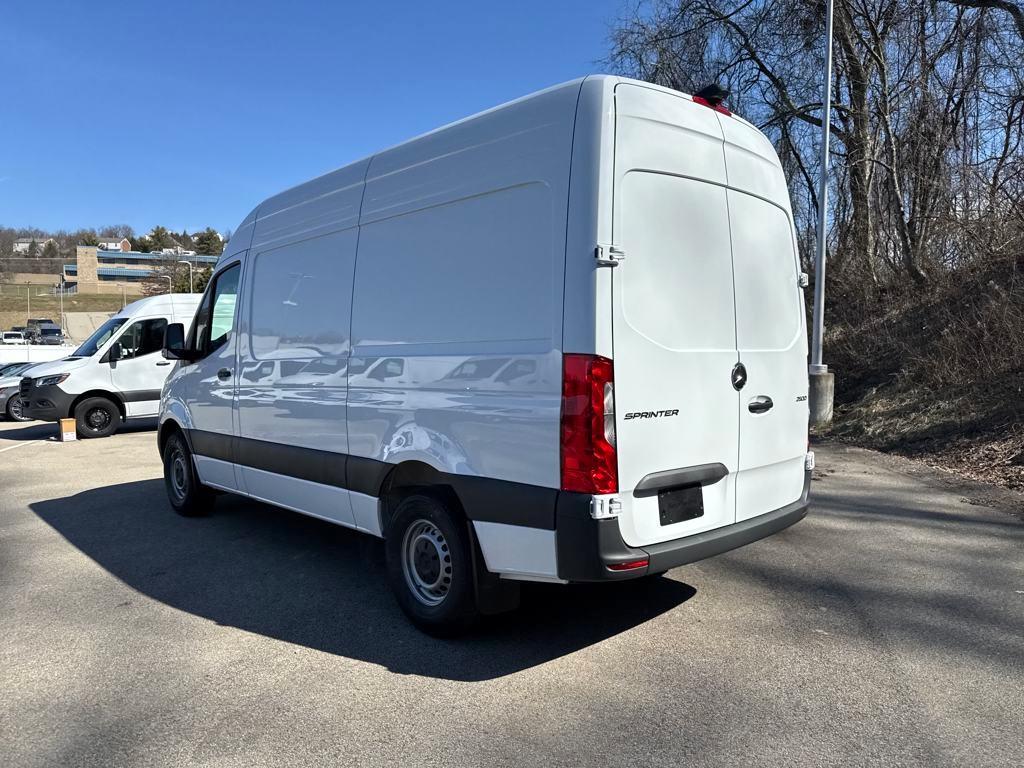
(105, 394)
(414, 476)
(167, 428)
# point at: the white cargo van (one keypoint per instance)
(115, 375)
(561, 340)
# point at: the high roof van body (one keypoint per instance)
(562, 340)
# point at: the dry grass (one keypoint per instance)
(14, 308)
(938, 376)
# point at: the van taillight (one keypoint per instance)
(589, 460)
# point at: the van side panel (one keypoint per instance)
(457, 310)
(294, 343)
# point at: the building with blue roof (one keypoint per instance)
(110, 271)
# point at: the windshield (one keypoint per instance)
(12, 369)
(50, 331)
(100, 337)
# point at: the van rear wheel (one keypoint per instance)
(96, 417)
(430, 566)
(188, 497)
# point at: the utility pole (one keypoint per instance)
(822, 382)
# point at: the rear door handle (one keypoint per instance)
(224, 374)
(164, 362)
(760, 404)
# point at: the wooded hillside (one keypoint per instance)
(925, 308)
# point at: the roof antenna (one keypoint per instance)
(712, 96)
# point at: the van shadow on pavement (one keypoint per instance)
(305, 581)
(48, 430)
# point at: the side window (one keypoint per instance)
(142, 337)
(216, 317)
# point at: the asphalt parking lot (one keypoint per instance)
(886, 628)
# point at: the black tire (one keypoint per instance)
(187, 496)
(13, 409)
(430, 566)
(96, 417)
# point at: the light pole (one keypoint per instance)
(170, 292)
(190, 284)
(822, 382)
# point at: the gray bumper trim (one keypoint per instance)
(672, 554)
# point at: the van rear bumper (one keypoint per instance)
(587, 547)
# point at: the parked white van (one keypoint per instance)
(603, 281)
(115, 375)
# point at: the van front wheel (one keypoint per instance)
(430, 567)
(96, 417)
(186, 494)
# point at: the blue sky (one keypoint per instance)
(188, 113)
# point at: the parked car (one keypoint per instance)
(13, 337)
(37, 322)
(10, 398)
(115, 375)
(9, 369)
(50, 334)
(586, 382)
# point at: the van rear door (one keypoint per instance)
(773, 350)
(674, 325)
(708, 333)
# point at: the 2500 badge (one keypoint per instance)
(650, 414)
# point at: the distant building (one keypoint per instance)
(108, 271)
(114, 244)
(23, 244)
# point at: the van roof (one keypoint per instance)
(244, 232)
(162, 303)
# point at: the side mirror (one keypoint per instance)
(174, 343)
(115, 352)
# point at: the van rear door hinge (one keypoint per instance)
(608, 255)
(605, 507)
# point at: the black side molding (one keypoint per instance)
(702, 474)
(484, 499)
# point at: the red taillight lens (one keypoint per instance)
(717, 107)
(632, 565)
(589, 461)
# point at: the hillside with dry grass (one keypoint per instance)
(938, 375)
(14, 306)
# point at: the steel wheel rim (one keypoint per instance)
(178, 475)
(97, 419)
(426, 563)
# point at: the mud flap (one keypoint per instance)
(493, 594)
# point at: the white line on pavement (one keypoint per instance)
(19, 445)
